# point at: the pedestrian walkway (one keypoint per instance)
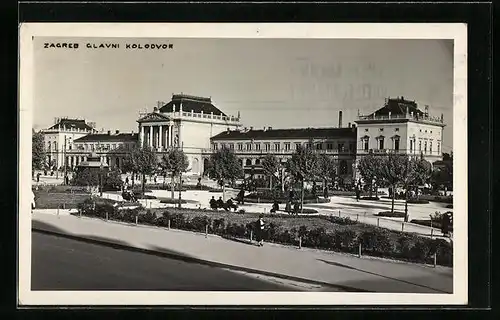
(341, 270)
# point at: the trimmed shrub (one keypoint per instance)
(449, 206)
(418, 201)
(283, 229)
(395, 214)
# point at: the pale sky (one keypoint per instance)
(283, 83)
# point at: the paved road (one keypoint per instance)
(63, 264)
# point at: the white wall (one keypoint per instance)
(389, 130)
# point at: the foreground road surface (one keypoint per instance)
(64, 264)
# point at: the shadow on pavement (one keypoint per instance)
(244, 241)
(379, 275)
(361, 205)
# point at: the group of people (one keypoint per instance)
(220, 204)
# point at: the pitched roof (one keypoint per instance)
(108, 137)
(194, 103)
(399, 106)
(71, 123)
(303, 133)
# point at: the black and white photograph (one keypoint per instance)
(243, 164)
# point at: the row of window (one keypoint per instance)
(91, 147)
(381, 146)
(287, 146)
(382, 129)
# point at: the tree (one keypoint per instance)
(271, 166)
(174, 162)
(141, 160)
(394, 169)
(423, 173)
(444, 175)
(302, 166)
(369, 168)
(327, 168)
(86, 177)
(223, 166)
(37, 149)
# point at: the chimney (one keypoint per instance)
(270, 128)
(442, 117)
(155, 109)
(117, 131)
(349, 125)
(109, 132)
(340, 119)
(251, 128)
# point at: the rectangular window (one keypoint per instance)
(420, 146)
(396, 144)
(214, 146)
(268, 147)
(249, 147)
(381, 143)
(438, 148)
(366, 142)
(411, 145)
(287, 147)
(430, 147)
(240, 146)
(231, 146)
(340, 147)
(319, 146)
(257, 146)
(297, 146)
(425, 147)
(277, 146)
(329, 146)
(308, 146)
(397, 129)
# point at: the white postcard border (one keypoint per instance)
(455, 31)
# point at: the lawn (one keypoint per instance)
(53, 200)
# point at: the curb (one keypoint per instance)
(195, 260)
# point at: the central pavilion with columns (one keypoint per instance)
(186, 122)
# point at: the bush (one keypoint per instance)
(283, 229)
(395, 214)
(449, 206)
(172, 201)
(370, 198)
(418, 201)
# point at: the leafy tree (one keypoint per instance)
(223, 166)
(302, 166)
(443, 176)
(112, 179)
(369, 168)
(141, 160)
(271, 166)
(395, 170)
(174, 162)
(38, 153)
(423, 173)
(327, 168)
(86, 177)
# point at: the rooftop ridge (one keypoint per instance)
(182, 96)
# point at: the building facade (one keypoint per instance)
(186, 122)
(59, 139)
(400, 126)
(251, 145)
(110, 148)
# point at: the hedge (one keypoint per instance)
(395, 214)
(427, 223)
(418, 201)
(327, 233)
(370, 198)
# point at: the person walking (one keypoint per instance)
(358, 193)
(260, 230)
(38, 177)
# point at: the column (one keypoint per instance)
(142, 136)
(151, 136)
(170, 134)
(160, 137)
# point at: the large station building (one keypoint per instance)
(199, 128)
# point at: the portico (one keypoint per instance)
(157, 131)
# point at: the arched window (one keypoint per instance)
(248, 162)
(366, 142)
(380, 142)
(395, 142)
(257, 161)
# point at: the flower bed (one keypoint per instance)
(395, 214)
(329, 233)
